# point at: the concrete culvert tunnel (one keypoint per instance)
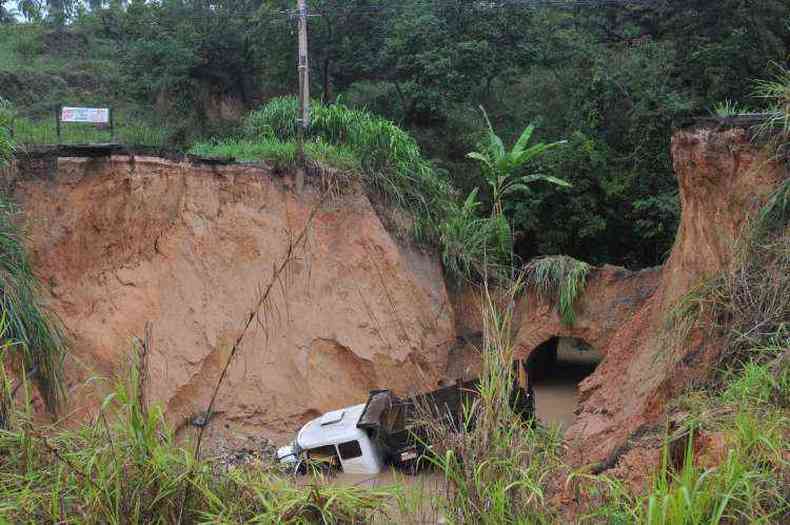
(555, 369)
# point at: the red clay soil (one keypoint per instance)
(121, 242)
(724, 179)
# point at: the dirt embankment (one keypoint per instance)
(121, 242)
(723, 179)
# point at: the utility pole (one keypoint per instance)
(303, 120)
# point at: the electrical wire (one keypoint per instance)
(491, 4)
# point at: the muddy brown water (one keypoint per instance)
(556, 395)
(419, 500)
(556, 390)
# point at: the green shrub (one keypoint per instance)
(29, 44)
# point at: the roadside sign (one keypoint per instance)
(90, 115)
(101, 117)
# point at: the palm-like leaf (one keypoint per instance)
(515, 187)
(546, 178)
(523, 140)
(535, 151)
(471, 203)
(500, 167)
(496, 146)
(482, 158)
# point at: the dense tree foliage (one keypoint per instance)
(613, 80)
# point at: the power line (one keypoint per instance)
(494, 4)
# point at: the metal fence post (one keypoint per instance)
(58, 111)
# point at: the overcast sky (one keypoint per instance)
(11, 6)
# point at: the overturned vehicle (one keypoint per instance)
(386, 430)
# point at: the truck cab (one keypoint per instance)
(361, 439)
(335, 438)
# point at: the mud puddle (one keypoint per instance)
(431, 480)
(557, 382)
(555, 403)
(418, 498)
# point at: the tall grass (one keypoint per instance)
(265, 497)
(37, 333)
(126, 467)
(744, 480)
(776, 92)
(561, 279)
(495, 464)
(388, 157)
(6, 140)
(127, 131)
(6, 388)
(470, 242)
(745, 486)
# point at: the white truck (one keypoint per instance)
(336, 438)
(362, 439)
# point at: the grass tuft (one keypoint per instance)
(559, 278)
(776, 92)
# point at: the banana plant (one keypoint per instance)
(502, 169)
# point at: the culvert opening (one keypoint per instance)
(555, 369)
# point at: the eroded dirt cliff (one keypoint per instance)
(121, 242)
(723, 179)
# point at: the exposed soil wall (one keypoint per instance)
(120, 242)
(723, 179)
